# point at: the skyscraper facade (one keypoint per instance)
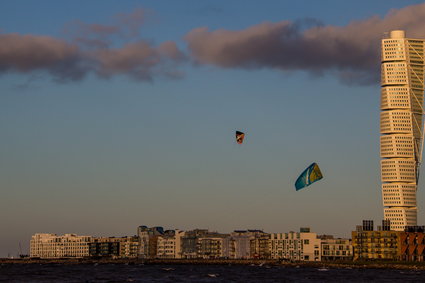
(401, 143)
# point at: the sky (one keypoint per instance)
(116, 114)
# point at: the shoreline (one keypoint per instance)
(253, 262)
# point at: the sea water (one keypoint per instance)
(199, 273)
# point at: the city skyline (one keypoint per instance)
(122, 112)
(155, 242)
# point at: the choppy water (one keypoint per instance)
(198, 273)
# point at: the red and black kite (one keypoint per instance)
(239, 137)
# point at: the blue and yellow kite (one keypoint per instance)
(308, 177)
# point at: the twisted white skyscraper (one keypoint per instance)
(402, 95)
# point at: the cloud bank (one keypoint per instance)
(351, 51)
(90, 50)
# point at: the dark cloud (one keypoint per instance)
(139, 60)
(352, 50)
(27, 53)
(89, 50)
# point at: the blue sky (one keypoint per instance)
(101, 155)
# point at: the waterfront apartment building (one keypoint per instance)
(375, 245)
(371, 244)
(43, 245)
(189, 242)
(148, 240)
(129, 247)
(169, 244)
(213, 246)
(335, 249)
(240, 245)
(114, 247)
(401, 126)
(259, 245)
(295, 246)
(412, 244)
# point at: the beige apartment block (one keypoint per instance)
(240, 243)
(166, 247)
(169, 246)
(336, 249)
(401, 126)
(214, 246)
(53, 246)
(295, 246)
(148, 240)
(129, 247)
